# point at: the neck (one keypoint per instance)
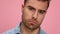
(25, 30)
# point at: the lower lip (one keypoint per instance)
(32, 23)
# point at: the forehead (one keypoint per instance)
(37, 4)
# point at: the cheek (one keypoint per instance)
(27, 14)
(40, 18)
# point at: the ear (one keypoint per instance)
(22, 6)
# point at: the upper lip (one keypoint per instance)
(33, 21)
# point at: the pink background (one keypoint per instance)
(10, 16)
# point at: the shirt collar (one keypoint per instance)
(18, 30)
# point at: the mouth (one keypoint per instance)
(31, 22)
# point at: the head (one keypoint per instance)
(33, 13)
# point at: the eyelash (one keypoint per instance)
(31, 8)
(41, 12)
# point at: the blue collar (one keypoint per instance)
(18, 30)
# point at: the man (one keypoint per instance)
(33, 12)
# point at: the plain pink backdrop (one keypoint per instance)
(10, 16)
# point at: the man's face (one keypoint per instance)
(33, 13)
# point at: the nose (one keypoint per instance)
(35, 15)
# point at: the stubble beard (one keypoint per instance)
(31, 27)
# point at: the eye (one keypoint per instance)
(31, 8)
(42, 11)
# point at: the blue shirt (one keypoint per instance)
(16, 30)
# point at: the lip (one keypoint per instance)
(32, 22)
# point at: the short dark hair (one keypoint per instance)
(39, 0)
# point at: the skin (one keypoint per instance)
(33, 13)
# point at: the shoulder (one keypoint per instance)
(12, 31)
(42, 31)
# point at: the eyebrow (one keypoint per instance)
(35, 9)
(42, 10)
(31, 7)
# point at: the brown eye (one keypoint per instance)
(42, 11)
(31, 8)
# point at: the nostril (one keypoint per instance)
(35, 15)
(34, 18)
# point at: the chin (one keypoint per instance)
(33, 27)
